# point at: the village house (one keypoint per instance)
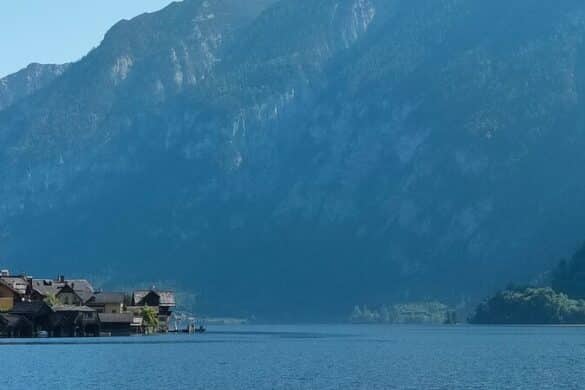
(12, 290)
(162, 301)
(37, 312)
(112, 313)
(78, 290)
(8, 297)
(73, 321)
(57, 321)
(16, 326)
(106, 302)
(72, 308)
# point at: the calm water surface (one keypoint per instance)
(305, 357)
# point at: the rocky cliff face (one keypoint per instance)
(298, 157)
(27, 81)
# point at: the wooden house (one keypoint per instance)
(68, 296)
(12, 325)
(12, 290)
(75, 309)
(117, 324)
(74, 321)
(42, 288)
(37, 312)
(107, 302)
(163, 301)
(8, 296)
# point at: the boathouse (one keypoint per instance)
(73, 321)
(117, 324)
(12, 325)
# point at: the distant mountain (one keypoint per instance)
(292, 158)
(569, 275)
(27, 81)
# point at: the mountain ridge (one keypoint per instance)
(27, 81)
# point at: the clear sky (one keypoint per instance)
(58, 31)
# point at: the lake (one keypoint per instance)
(305, 357)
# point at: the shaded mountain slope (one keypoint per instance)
(298, 157)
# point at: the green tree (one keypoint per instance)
(52, 300)
(530, 306)
(150, 319)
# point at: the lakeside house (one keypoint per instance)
(164, 301)
(73, 308)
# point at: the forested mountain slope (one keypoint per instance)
(294, 158)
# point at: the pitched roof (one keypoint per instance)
(71, 308)
(116, 318)
(17, 284)
(47, 287)
(103, 298)
(29, 308)
(167, 298)
(139, 296)
(67, 289)
(82, 287)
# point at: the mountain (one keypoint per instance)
(568, 276)
(292, 159)
(27, 81)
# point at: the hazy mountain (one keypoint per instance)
(28, 80)
(297, 157)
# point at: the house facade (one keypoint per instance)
(163, 302)
(12, 290)
(7, 298)
(108, 302)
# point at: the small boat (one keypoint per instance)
(43, 334)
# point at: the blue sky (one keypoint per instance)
(58, 31)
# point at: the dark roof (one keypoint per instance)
(103, 298)
(28, 308)
(82, 287)
(67, 289)
(116, 318)
(72, 308)
(47, 287)
(167, 298)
